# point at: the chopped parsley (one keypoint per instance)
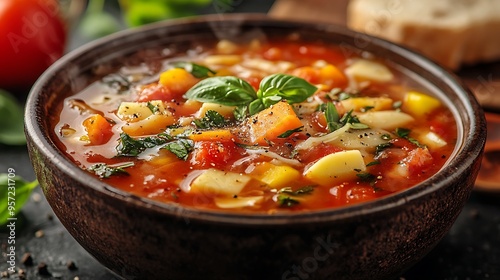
(286, 195)
(105, 171)
(181, 148)
(132, 147)
(212, 119)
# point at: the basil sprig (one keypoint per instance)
(232, 91)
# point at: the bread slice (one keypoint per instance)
(452, 32)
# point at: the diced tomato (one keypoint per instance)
(418, 160)
(308, 73)
(155, 92)
(208, 154)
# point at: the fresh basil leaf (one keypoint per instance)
(181, 148)
(212, 119)
(256, 106)
(288, 133)
(14, 193)
(131, 147)
(291, 88)
(11, 120)
(105, 171)
(230, 91)
(240, 113)
(196, 70)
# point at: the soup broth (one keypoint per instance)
(266, 126)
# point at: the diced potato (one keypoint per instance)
(419, 104)
(275, 176)
(237, 202)
(226, 47)
(336, 167)
(153, 124)
(220, 182)
(374, 103)
(432, 140)
(226, 111)
(364, 139)
(223, 59)
(136, 111)
(385, 119)
(363, 70)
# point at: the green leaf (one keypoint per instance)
(212, 119)
(286, 201)
(332, 117)
(291, 88)
(11, 120)
(230, 91)
(288, 133)
(256, 106)
(181, 148)
(300, 191)
(240, 113)
(153, 108)
(14, 193)
(105, 171)
(402, 132)
(129, 146)
(196, 70)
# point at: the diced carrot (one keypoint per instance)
(212, 135)
(99, 130)
(332, 76)
(272, 122)
(178, 81)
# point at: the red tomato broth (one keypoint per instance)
(161, 176)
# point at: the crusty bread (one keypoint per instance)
(452, 32)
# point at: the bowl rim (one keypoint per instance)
(470, 148)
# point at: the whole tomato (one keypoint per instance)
(32, 37)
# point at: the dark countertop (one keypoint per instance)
(471, 250)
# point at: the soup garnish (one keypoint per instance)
(259, 127)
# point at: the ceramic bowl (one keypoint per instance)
(141, 239)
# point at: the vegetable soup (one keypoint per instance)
(266, 126)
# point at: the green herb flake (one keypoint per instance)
(402, 132)
(212, 119)
(181, 148)
(300, 191)
(289, 133)
(286, 201)
(105, 171)
(132, 147)
(332, 117)
(154, 109)
(372, 163)
(381, 147)
(366, 177)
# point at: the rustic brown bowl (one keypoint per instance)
(141, 239)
